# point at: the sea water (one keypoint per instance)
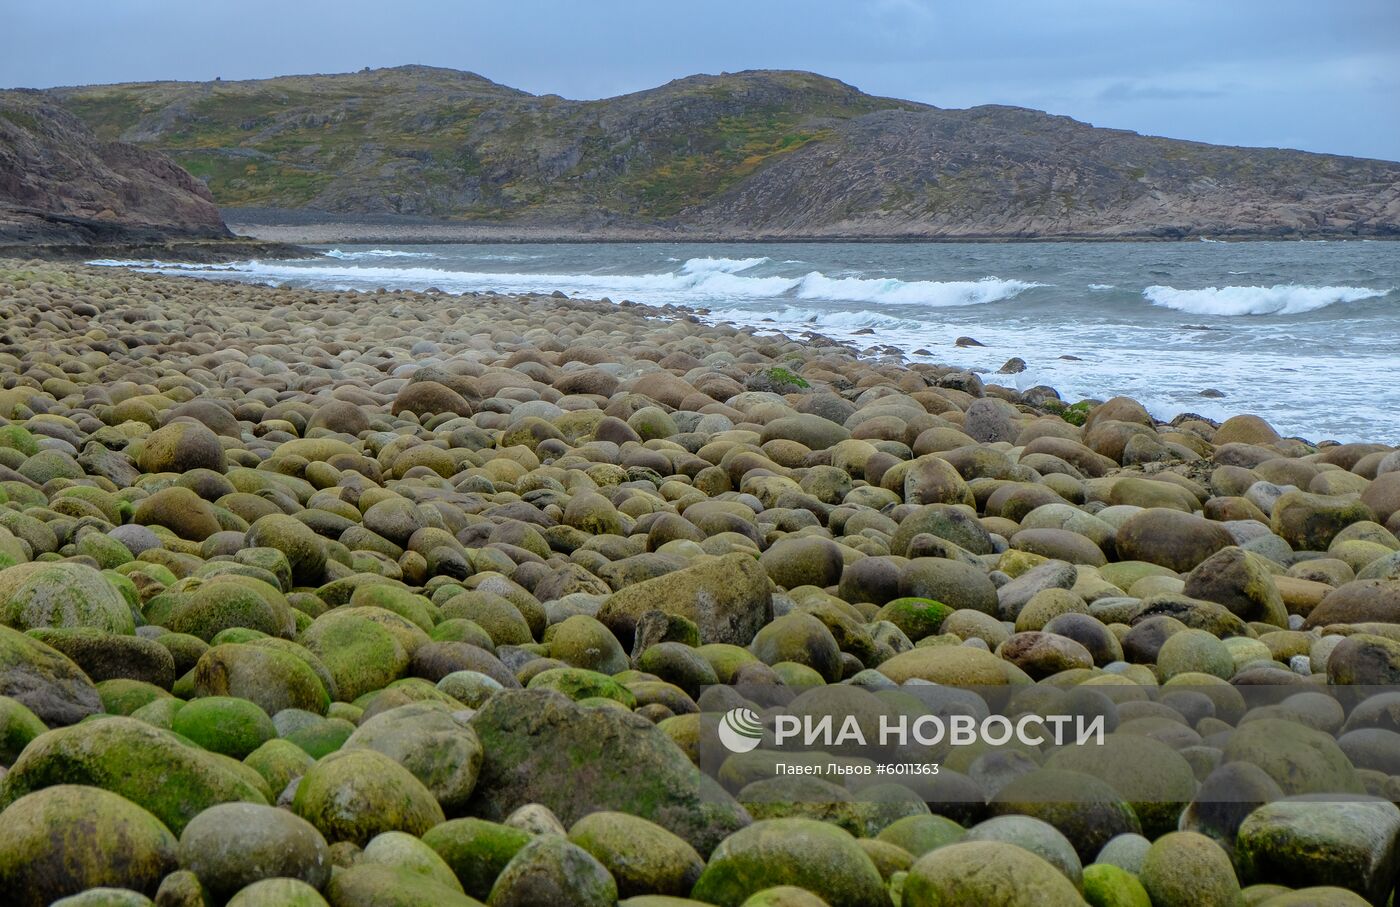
(1305, 334)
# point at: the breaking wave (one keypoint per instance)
(1282, 299)
(698, 281)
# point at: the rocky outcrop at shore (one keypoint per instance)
(750, 155)
(342, 598)
(61, 186)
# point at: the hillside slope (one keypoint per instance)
(746, 155)
(59, 184)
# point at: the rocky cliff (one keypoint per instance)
(748, 155)
(61, 185)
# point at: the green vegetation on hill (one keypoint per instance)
(754, 153)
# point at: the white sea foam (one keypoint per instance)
(1100, 287)
(374, 254)
(698, 281)
(1281, 299)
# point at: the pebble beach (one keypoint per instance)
(314, 597)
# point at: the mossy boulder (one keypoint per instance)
(1040, 838)
(44, 680)
(361, 654)
(151, 767)
(579, 684)
(803, 639)
(1106, 885)
(813, 855)
(642, 857)
(1309, 522)
(476, 850)
(953, 665)
(181, 511)
(1240, 580)
(368, 884)
(224, 724)
(104, 656)
(233, 845)
(1085, 809)
(727, 597)
(396, 848)
(279, 761)
(68, 838)
(273, 680)
(431, 740)
(1300, 759)
(274, 893)
(532, 738)
(18, 726)
(305, 550)
(1155, 780)
(1322, 840)
(1185, 869)
(917, 617)
(583, 642)
(61, 595)
(231, 602)
(353, 795)
(181, 447)
(552, 870)
(1170, 538)
(987, 872)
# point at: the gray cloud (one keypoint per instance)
(1243, 72)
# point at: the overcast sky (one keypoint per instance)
(1322, 75)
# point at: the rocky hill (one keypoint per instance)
(747, 155)
(60, 185)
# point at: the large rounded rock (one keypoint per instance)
(954, 583)
(962, 666)
(369, 884)
(1175, 540)
(987, 872)
(727, 597)
(1322, 841)
(1309, 522)
(432, 741)
(1185, 869)
(151, 767)
(1155, 780)
(181, 511)
(794, 562)
(61, 595)
(813, 855)
(44, 680)
(272, 679)
(268, 893)
(224, 724)
(233, 845)
(811, 431)
(1361, 601)
(1241, 581)
(353, 795)
(476, 850)
(642, 857)
(1300, 759)
(228, 602)
(305, 550)
(551, 870)
(533, 738)
(66, 839)
(181, 447)
(1040, 838)
(361, 654)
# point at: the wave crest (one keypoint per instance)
(1281, 299)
